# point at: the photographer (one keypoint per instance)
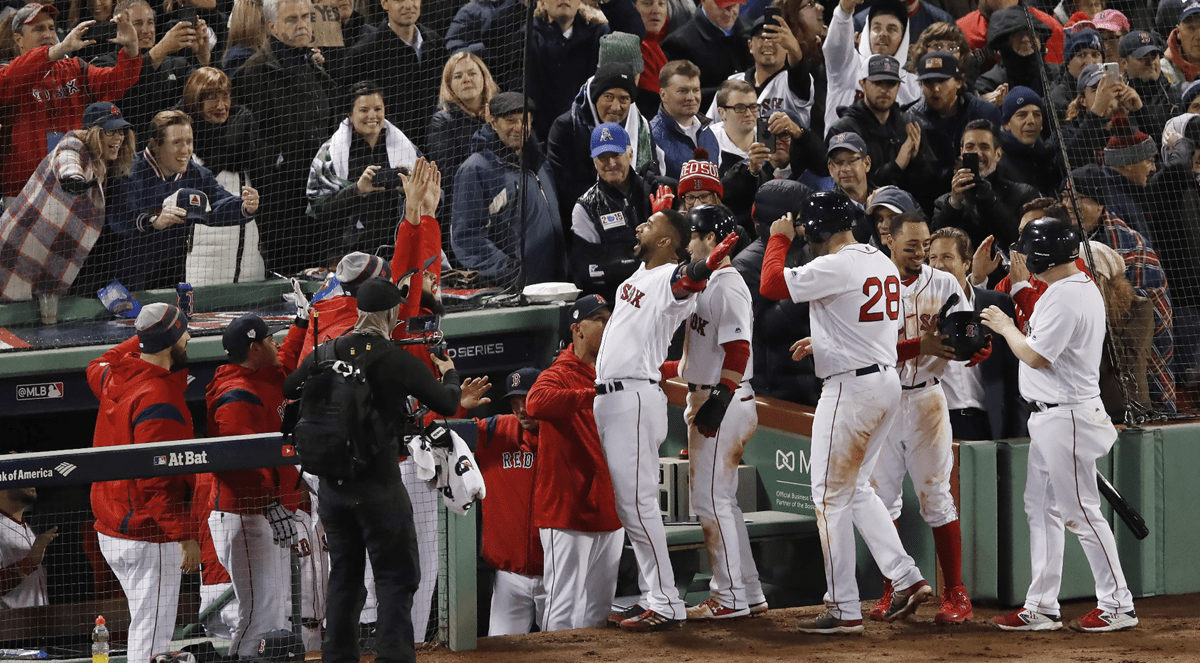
(377, 497)
(359, 214)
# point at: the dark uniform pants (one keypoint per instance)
(369, 518)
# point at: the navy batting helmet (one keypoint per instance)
(717, 219)
(1047, 242)
(827, 213)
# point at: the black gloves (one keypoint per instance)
(708, 419)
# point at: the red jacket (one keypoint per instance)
(47, 97)
(211, 571)
(507, 457)
(332, 318)
(140, 403)
(573, 489)
(975, 27)
(245, 402)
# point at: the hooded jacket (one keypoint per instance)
(507, 458)
(556, 66)
(573, 489)
(140, 403)
(569, 148)
(1175, 67)
(505, 219)
(708, 47)
(1013, 69)
(975, 27)
(883, 145)
(845, 65)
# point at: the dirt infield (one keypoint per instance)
(1168, 632)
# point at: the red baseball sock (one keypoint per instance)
(947, 539)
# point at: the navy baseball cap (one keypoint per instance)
(519, 382)
(883, 68)
(609, 137)
(1189, 9)
(847, 140)
(894, 198)
(104, 115)
(587, 305)
(939, 65)
(1138, 44)
(192, 201)
(1090, 76)
(244, 331)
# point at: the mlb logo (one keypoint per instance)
(160, 460)
(193, 200)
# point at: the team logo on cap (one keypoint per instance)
(516, 380)
(1145, 37)
(696, 184)
(605, 134)
(600, 299)
(194, 199)
(251, 334)
(933, 62)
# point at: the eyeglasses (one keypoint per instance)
(844, 163)
(944, 46)
(701, 198)
(742, 109)
(114, 133)
(810, 3)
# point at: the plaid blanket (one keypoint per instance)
(46, 233)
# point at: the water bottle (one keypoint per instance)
(100, 641)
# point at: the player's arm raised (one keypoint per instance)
(1003, 325)
(691, 278)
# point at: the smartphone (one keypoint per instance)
(187, 15)
(970, 161)
(764, 135)
(423, 324)
(1112, 71)
(770, 14)
(388, 178)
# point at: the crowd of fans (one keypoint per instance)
(553, 138)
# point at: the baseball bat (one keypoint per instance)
(1133, 519)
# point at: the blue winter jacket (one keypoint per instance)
(676, 146)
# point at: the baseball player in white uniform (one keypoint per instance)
(22, 576)
(722, 416)
(854, 295)
(920, 442)
(1068, 430)
(631, 409)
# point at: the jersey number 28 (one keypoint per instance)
(889, 290)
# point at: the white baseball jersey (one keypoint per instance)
(16, 540)
(1067, 329)
(776, 95)
(855, 308)
(920, 301)
(638, 334)
(723, 313)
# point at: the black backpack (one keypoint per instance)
(338, 435)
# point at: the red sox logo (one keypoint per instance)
(632, 295)
(516, 380)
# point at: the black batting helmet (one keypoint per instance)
(827, 213)
(717, 219)
(1047, 242)
(964, 332)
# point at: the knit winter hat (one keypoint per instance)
(354, 268)
(611, 76)
(1081, 40)
(159, 326)
(1018, 98)
(700, 174)
(1127, 147)
(622, 49)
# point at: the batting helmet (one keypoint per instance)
(964, 332)
(717, 219)
(827, 213)
(1047, 242)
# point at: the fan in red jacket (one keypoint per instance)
(252, 511)
(507, 458)
(48, 91)
(145, 528)
(574, 506)
(334, 315)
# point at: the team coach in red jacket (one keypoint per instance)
(145, 527)
(574, 507)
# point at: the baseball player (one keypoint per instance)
(722, 416)
(1068, 429)
(507, 457)
(920, 442)
(631, 409)
(22, 576)
(576, 513)
(854, 295)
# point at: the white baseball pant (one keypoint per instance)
(260, 572)
(921, 445)
(579, 573)
(219, 625)
(517, 603)
(712, 468)
(853, 418)
(632, 425)
(314, 576)
(426, 504)
(1060, 489)
(149, 574)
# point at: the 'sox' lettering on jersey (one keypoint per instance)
(698, 324)
(632, 295)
